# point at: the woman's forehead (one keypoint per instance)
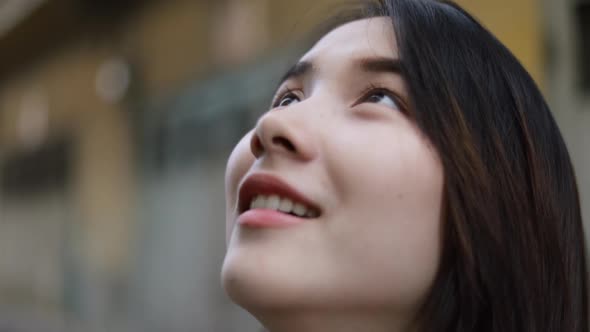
(362, 38)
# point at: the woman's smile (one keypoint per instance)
(268, 201)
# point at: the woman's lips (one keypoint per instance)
(266, 184)
(268, 218)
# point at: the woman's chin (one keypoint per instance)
(255, 288)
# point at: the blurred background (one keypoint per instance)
(117, 118)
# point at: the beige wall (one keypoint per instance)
(518, 25)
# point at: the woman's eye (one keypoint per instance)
(287, 100)
(381, 97)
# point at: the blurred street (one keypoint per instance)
(116, 121)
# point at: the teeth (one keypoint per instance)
(286, 205)
(258, 202)
(299, 209)
(274, 202)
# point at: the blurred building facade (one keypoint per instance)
(116, 120)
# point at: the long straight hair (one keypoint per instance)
(513, 255)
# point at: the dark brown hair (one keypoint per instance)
(513, 255)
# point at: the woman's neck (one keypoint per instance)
(292, 321)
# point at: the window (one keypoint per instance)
(31, 172)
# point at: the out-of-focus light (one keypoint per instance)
(240, 30)
(14, 11)
(33, 119)
(112, 80)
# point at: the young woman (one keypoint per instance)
(408, 177)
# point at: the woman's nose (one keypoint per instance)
(278, 134)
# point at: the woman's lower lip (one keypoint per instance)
(268, 218)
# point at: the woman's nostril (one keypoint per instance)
(256, 146)
(284, 143)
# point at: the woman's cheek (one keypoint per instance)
(238, 164)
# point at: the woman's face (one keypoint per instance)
(338, 140)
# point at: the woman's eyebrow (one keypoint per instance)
(298, 70)
(380, 65)
(368, 64)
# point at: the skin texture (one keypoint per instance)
(368, 261)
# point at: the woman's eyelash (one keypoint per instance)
(374, 89)
(365, 94)
(280, 97)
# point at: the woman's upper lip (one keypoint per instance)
(267, 184)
